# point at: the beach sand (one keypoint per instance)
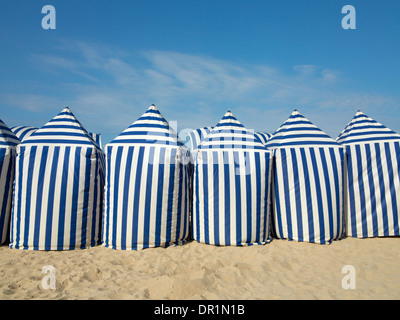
(278, 270)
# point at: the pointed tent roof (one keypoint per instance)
(151, 128)
(62, 129)
(299, 131)
(365, 129)
(229, 133)
(7, 137)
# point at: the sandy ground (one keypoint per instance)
(278, 270)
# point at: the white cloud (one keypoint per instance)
(110, 88)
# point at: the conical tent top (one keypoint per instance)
(7, 137)
(63, 129)
(299, 131)
(229, 133)
(149, 129)
(363, 129)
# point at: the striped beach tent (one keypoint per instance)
(8, 144)
(373, 178)
(59, 180)
(263, 136)
(231, 184)
(147, 186)
(23, 132)
(308, 183)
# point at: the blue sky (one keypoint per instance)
(109, 60)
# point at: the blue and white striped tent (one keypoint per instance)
(232, 171)
(263, 136)
(308, 183)
(59, 180)
(147, 186)
(8, 144)
(23, 132)
(373, 178)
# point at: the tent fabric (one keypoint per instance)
(59, 179)
(23, 132)
(97, 138)
(147, 186)
(308, 183)
(232, 171)
(197, 136)
(8, 143)
(373, 178)
(263, 136)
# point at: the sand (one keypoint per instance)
(278, 270)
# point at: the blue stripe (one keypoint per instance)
(278, 233)
(18, 211)
(50, 205)
(372, 139)
(238, 193)
(170, 199)
(297, 193)
(97, 201)
(106, 223)
(328, 191)
(361, 191)
(58, 141)
(339, 189)
(7, 190)
(148, 141)
(216, 198)
(258, 198)
(300, 143)
(126, 190)
(267, 196)
(150, 134)
(63, 199)
(196, 217)
(248, 197)
(85, 209)
(318, 196)
(160, 201)
(392, 185)
(352, 205)
(147, 205)
(369, 162)
(75, 197)
(307, 183)
(136, 201)
(227, 203)
(382, 189)
(396, 213)
(206, 203)
(286, 193)
(31, 166)
(117, 172)
(180, 187)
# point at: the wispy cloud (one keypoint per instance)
(110, 88)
